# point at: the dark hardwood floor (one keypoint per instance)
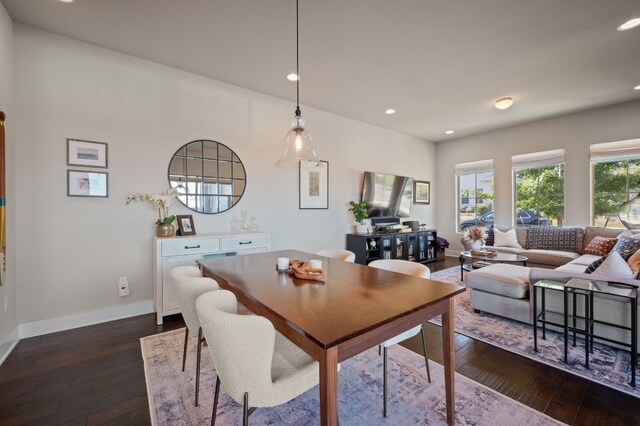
(94, 375)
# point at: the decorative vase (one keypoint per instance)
(476, 244)
(165, 230)
(362, 229)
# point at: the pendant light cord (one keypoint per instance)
(297, 64)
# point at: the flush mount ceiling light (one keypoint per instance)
(292, 77)
(66, 1)
(390, 111)
(637, 87)
(629, 24)
(297, 144)
(448, 132)
(504, 103)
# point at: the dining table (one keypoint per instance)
(352, 308)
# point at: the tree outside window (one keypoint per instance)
(614, 183)
(540, 192)
(475, 195)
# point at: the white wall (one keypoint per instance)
(71, 251)
(8, 291)
(573, 132)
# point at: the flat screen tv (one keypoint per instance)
(387, 195)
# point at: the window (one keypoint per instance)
(616, 180)
(539, 188)
(474, 182)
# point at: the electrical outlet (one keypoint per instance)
(123, 287)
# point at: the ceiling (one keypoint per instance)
(440, 64)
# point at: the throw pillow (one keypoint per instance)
(563, 238)
(594, 265)
(614, 266)
(490, 238)
(634, 262)
(628, 233)
(626, 246)
(600, 246)
(506, 239)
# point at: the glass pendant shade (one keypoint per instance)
(297, 146)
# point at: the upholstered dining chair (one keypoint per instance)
(189, 285)
(408, 268)
(256, 365)
(346, 255)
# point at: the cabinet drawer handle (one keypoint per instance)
(248, 242)
(192, 247)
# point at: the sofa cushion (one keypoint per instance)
(550, 257)
(571, 268)
(585, 260)
(630, 233)
(501, 278)
(626, 246)
(553, 238)
(600, 246)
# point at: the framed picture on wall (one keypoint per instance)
(421, 192)
(86, 153)
(314, 185)
(82, 183)
(186, 225)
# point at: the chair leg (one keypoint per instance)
(215, 402)
(384, 382)
(198, 356)
(245, 410)
(184, 352)
(426, 356)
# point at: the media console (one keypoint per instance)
(415, 246)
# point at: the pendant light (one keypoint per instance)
(297, 144)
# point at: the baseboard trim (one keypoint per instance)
(67, 322)
(8, 343)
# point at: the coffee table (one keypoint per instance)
(498, 258)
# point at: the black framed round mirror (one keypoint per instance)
(209, 176)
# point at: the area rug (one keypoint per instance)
(608, 366)
(412, 400)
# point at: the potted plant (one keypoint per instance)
(474, 237)
(161, 202)
(359, 211)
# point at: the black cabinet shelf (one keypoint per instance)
(416, 246)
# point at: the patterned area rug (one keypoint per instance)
(608, 366)
(412, 400)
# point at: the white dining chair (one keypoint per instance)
(256, 365)
(346, 255)
(189, 284)
(416, 270)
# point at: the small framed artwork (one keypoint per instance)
(185, 224)
(421, 192)
(314, 185)
(81, 183)
(86, 153)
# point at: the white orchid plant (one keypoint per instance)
(160, 201)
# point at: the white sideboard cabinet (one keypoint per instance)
(180, 251)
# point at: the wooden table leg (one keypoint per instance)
(448, 350)
(329, 387)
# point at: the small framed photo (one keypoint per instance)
(185, 224)
(87, 184)
(86, 153)
(314, 185)
(421, 192)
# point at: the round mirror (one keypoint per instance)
(209, 177)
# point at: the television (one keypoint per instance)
(387, 195)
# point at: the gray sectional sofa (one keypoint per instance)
(505, 289)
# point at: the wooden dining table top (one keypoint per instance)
(351, 299)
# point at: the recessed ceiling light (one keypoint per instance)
(66, 1)
(637, 87)
(390, 111)
(629, 24)
(504, 103)
(448, 132)
(292, 77)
